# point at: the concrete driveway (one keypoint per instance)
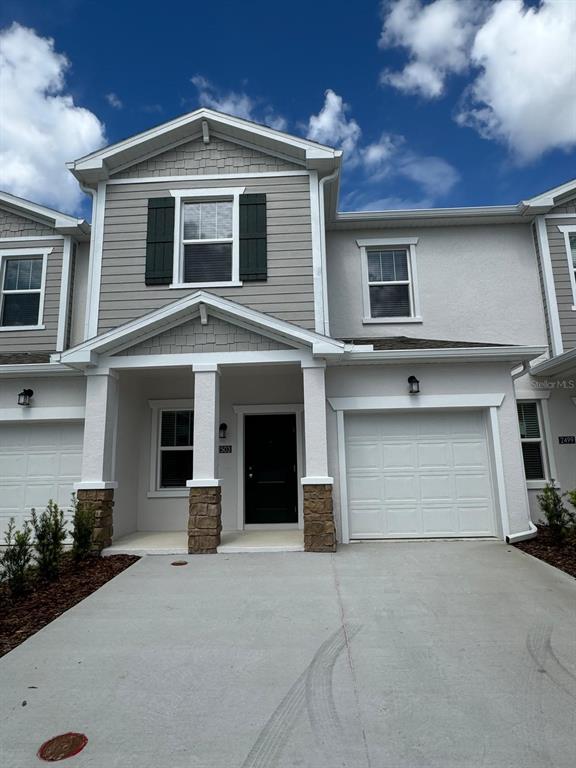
(432, 655)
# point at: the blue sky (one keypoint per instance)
(440, 113)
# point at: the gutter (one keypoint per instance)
(531, 533)
(323, 181)
(357, 353)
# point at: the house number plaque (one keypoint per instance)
(567, 439)
(225, 449)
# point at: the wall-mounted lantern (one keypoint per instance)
(223, 430)
(413, 385)
(25, 396)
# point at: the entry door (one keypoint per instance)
(270, 471)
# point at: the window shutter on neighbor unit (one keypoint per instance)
(160, 241)
(253, 258)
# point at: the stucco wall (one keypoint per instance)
(476, 283)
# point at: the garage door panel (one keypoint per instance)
(434, 454)
(364, 455)
(401, 488)
(403, 520)
(47, 469)
(366, 487)
(437, 487)
(398, 455)
(427, 474)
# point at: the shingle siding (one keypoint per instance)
(195, 157)
(41, 340)
(216, 336)
(288, 293)
(13, 225)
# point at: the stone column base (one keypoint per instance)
(205, 520)
(319, 528)
(101, 502)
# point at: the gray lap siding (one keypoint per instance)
(288, 293)
(41, 340)
(560, 267)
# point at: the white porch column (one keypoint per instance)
(100, 429)
(315, 436)
(206, 424)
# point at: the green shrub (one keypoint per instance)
(16, 559)
(50, 532)
(572, 497)
(559, 520)
(82, 530)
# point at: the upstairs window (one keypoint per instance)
(531, 438)
(22, 279)
(176, 448)
(572, 241)
(389, 280)
(207, 238)
(569, 232)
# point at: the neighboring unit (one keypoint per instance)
(226, 351)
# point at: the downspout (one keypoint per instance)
(513, 538)
(523, 370)
(93, 194)
(326, 318)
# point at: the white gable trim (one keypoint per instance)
(39, 213)
(175, 313)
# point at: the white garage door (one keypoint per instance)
(38, 462)
(418, 475)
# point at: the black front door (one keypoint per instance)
(270, 476)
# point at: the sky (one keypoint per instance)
(435, 103)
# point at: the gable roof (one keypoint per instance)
(98, 165)
(64, 224)
(181, 311)
(552, 197)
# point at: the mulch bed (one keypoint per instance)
(45, 601)
(541, 547)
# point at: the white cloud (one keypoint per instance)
(384, 162)
(331, 126)
(114, 100)
(437, 35)
(525, 94)
(237, 103)
(42, 127)
(520, 59)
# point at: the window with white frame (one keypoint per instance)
(22, 279)
(569, 233)
(388, 275)
(175, 447)
(532, 441)
(207, 238)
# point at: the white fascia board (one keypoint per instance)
(56, 218)
(24, 370)
(416, 214)
(181, 309)
(97, 159)
(19, 415)
(419, 402)
(549, 198)
(555, 364)
(456, 354)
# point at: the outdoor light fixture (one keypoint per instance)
(413, 385)
(25, 396)
(223, 430)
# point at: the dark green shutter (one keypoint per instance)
(160, 241)
(253, 259)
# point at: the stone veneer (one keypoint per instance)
(205, 520)
(101, 503)
(319, 528)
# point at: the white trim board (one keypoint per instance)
(241, 411)
(205, 177)
(64, 293)
(32, 413)
(549, 286)
(416, 402)
(95, 273)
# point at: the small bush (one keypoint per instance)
(50, 532)
(82, 530)
(16, 559)
(560, 521)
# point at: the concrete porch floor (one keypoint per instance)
(174, 542)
